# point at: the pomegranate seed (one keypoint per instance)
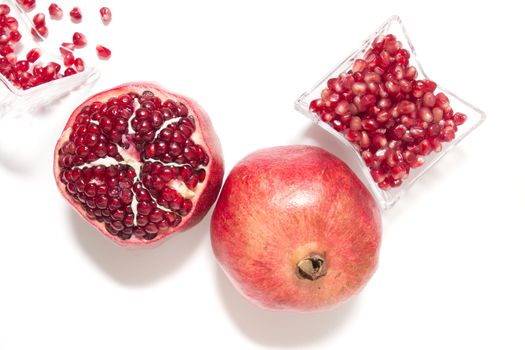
(409, 156)
(384, 185)
(405, 86)
(347, 80)
(392, 47)
(27, 5)
(447, 134)
(352, 136)
(367, 101)
(334, 85)
(419, 161)
(79, 40)
(378, 175)
(316, 105)
(383, 116)
(425, 147)
(11, 23)
(359, 88)
(69, 59)
(326, 117)
(66, 48)
(417, 132)
(369, 124)
(399, 172)
(355, 124)
(429, 99)
(442, 101)
(51, 69)
(373, 87)
(105, 15)
(103, 52)
(434, 130)
(338, 125)
(11, 58)
(33, 55)
(15, 36)
(55, 12)
(37, 70)
(353, 109)
(39, 20)
(4, 39)
(418, 89)
(365, 140)
(79, 64)
(75, 14)
(399, 131)
(379, 141)
(406, 107)
(372, 77)
(425, 114)
(411, 73)
(22, 66)
(342, 107)
(429, 85)
(395, 182)
(384, 59)
(437, 114)
(4, 9)
(392, 88)
(359, 65)
(436, 145)
(459, 118)
(42, 31)
(392, 118)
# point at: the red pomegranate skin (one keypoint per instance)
(281, 205)
(206, 193)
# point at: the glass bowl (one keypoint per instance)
(15, 101)
(387, 198)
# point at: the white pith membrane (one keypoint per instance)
(129, 154)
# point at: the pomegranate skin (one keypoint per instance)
(282, 205)
(207, 137)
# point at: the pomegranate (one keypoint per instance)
(139, 163)
(295, 229)
(393, 119)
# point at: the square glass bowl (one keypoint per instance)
(15, 101)
(387, 198)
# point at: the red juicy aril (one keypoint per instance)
(139, 163)
(55, 12)
(105, 15)
(27, 5)
(295, 229)
(393, 119)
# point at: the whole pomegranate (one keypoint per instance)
(139, 163)
(295, 229)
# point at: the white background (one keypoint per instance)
(451, 271)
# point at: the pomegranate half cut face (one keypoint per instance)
(139, 163)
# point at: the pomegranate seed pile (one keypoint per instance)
(132, 164)
(392, 119)
(26, 72)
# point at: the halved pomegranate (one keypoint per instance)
(139, 163)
